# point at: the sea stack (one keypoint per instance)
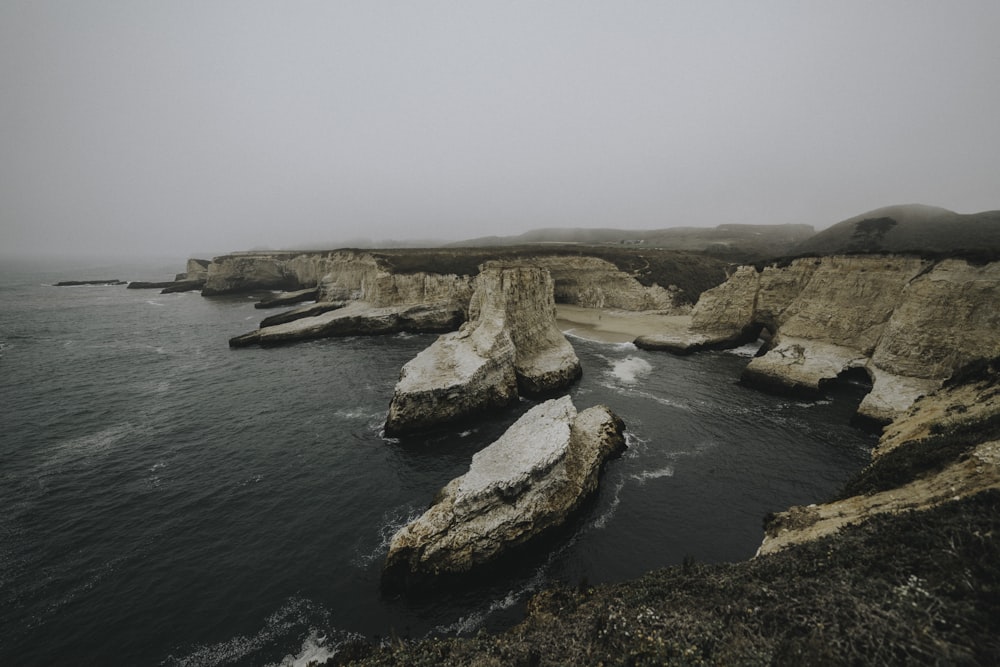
(527, 482)
(511, 345)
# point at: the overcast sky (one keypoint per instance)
(190, 126)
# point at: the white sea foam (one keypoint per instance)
(154, 303)
(294, 613)
(466, 625)
(316, 649)
(747, 350)
(392, 522)
(602, 520)
(646, 475)
(630, 370)
(361, 412)
(86, 446)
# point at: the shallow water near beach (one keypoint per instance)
(167, 500)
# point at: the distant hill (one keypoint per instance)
(913, 228)
(736, 242)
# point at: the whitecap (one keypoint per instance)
(646, 475)
(316, 649)
(630, 370)
(154, 303)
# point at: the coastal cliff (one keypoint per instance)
(390, 277)
(510, 344)
(907, 322)
(521, 486)
(902, 568)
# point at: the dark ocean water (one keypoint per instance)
(167, 500)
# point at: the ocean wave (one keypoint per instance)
(601, 521)
(298, 616)
(83, 447)
(646, 475)
(630, 370)
(392, 522)
(469, 623)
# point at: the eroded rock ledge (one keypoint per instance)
(510, 346)
(524, 484)
(908, 322)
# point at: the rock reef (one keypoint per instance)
(510, 345)
(356, 295)
(908, 322)
(526, 483)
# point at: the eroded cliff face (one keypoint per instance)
(522, 485)
(345, 275)
(945, 447)
(592, 282)
(908, 322)
(510, 344)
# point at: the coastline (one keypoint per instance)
(616, 326)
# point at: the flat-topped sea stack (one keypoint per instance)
(510, 346)
(526, 483)
(906, 322)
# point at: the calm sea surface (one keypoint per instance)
(168, 501)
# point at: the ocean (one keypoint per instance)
(169, 501)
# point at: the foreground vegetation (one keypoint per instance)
(917, 587)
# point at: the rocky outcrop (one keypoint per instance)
(944, 448)
(308, 310)
(77, 283)
(381, 301)
(908, 322)
(196, 269)
(524, 484)
(288, 298)
(510, 344)
(592, 282)
(358, 319)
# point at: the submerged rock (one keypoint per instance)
(527, 482)
(511, 345)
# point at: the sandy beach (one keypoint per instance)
(616, 326)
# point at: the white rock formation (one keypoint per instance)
(908, 322)
(527, 482)
(510, 344)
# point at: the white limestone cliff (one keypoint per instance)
(908, 322)
(510, 345)
(526, 483)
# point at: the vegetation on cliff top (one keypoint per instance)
(912, 588)
(692, 272)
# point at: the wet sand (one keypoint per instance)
(616, 326)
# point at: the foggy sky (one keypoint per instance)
(181, 127)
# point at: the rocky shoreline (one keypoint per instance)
(921, 330)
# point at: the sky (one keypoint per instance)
(195, 127)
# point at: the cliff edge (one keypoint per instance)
(906, 322)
